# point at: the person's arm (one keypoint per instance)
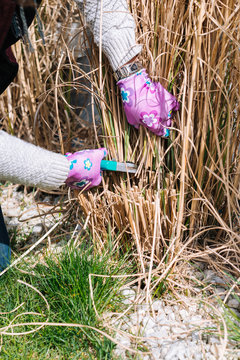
(145, 103)
(27, 164)
(118, 29)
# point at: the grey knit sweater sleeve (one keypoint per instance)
(24, 163)
(20, 162)
(111, 24)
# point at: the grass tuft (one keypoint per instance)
(59, 292)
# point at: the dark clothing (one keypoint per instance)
(7, 8)
(11, 30)
(5, 250)
(8, 68)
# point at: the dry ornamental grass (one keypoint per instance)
(184, 201)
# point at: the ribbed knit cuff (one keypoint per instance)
(59, 172)
(121, 50)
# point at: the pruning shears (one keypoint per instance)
(112, 165)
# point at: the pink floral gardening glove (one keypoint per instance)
(85, 168)
(147, 103)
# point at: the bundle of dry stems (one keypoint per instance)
(184, 200)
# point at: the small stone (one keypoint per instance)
(11, 208)
(29, 214)
(220, 291)
(127, 301)
(13, 223)
(178, 350)
(150, 332)
(157, 305)
(177, 330)
(120, 352)
(212, 277)
(152, 342)
(213, 340)
(234, 303)
(210, 356)
(195, 335)
(13, 212)
(26, 228)
(196, 319)
(123, 340)
(197, 290)
(37, 229)
(193, 308)
(171, 317)
(168, 310)
(183, 314)
(148, 323)
(55, 249)
(197, 356)
(146, 357)
(156, 354)
(162, 333)
(161, 318)
(129, 294)
(135, 330)
(143, 307)
(164, 350)
(125, 327)
(46, 199)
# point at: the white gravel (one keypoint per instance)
(25, 216)
(171, 330)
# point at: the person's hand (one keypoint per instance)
(147, 103)
(84, 168)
